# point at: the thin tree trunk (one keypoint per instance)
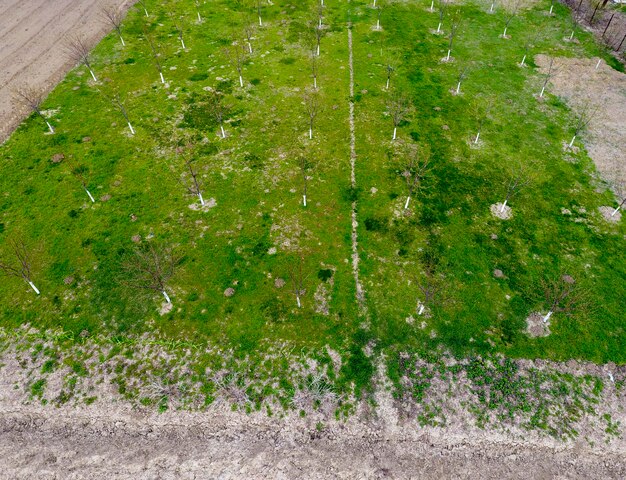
(503, 206)
(551, 8)
(90, 196)
(523, 60)
(572, 142)
(146, 12)
(406, 205)
(439, 27)
(32, 285)
(123, 42)
(395, 131)
(304, 200)
(223, 132)
(93, 75)
(298, 300)
(315, 83)
(132, 130)
(448, 56)
(240, 81)
(49, 127)
(547, 317)
(201, 199)
(477, 137)
(167, 297)
(458, 88)
(162, 79)
(421, 309)
(199, 17)
(182, 42)
(598, 64)
(387, 87)
(260, 21)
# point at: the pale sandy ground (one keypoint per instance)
(31, 45)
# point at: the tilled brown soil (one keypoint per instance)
(72, 444)
(31, 45)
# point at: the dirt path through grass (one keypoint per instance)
(32, 53)
(360, 294)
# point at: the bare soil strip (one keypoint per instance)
(94, 443)
(31, 40)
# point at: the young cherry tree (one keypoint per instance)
(575, 22)
(297, 276)
(482, 118)
(31, 99)
(462, 76)
(549, 75)
(142, 4)
(189, 175)
(583, 117)
(314, 69)
(150, 267)
(248, 32)
(320, 15)
(618, 186)
(312, 108)
(237, 57)
(493, 6)
(379, 12)
(18, 262)
(397, 109)
(318, 34)
(443, 6)
(562, 295)
(80, 173)
(530, 42)
(78, 52)
(119, 104)
(113, 17)
(520, 177)
(179, 25)
(416, 167)
(258, 10)
(454, 27)
(156, 55)
(432, 291)
(551, 6)
(511, 12)
(198, 11)
(218, 110)
(304, 170)
(390, 69)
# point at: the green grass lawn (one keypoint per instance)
(258, 231)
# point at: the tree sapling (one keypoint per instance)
(397, 108)
(20, 264)
(78, 52)
(32, 99)
(113, 17)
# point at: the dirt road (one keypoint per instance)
(31, 45)
(92, 443)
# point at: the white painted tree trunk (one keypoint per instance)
(49, 127)
(298, 300)
(249, 47)
(491, 9)
(132, 130)
(432, 5)
(448, 56)
(542, 90)
(503, 206)
(458, 88)
(551, 8)
(310, 133)
(260, 21)
(477, 137)
(439, 27)
(304, 200)
(315, 83)
(201, 199)
(377, 24)
(421, 309)
(199, 17)
(320, 23)
(90, 196)
(167, 297)
(318, 49)
(123, 42)
(598, 64)
(182, 42)
(395, 131)
(161, 75)
(93, 75)
(572, 142)
(547, 317)
(571, 35)
(240, 81)
(523, 61)
(505, 29)
(146, 12)
(32, 285)
(387, 86)
(223, 132)
(406, 205)
(616, 210)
